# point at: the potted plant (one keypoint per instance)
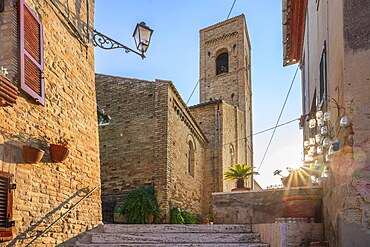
(179, 216)
(32, 154)
(141, 206)
(59, 152)
(119, 216)
(240, 173)
(8, 92)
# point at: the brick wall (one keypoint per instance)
(230, 36)
(43, 189)
(186, 187)
(134, 144)
(147, 141)
(229, 139)
(234, 87)
(233, 137)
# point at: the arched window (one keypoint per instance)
(232, 155)
(222, 63)
(191, 159)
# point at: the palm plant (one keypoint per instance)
(240, 173)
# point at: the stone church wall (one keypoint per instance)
(226, 142)
(186, 186)
(46, 189)
(147, 141)
(206, 116)
(134, 144)
(233, 140)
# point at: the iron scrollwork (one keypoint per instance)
(104, 42)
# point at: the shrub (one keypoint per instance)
(141, 203)
(179, 216)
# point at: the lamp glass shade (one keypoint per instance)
(142, 36)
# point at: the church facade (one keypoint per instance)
(155, 138)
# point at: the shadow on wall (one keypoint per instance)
(11, 149)
(32, 232)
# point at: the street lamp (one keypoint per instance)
(142, 36)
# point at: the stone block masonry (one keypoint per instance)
(147, 142)
(46, 189)
(184, 151)
(258, 207)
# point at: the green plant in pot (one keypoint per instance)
(119, 216)
(239, 173)
(179, 216)
(141, 206)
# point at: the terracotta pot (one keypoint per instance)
(119, 218)
(301, 206)
(58, 153)
(32, 155)
(8, 92)
(150, 218)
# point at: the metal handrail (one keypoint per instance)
(63, 215)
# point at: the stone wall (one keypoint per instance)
(233, 141)
(290, 234)
(230, 36)
(257, 207)
(46, 189)
(206, 116)
(147, 141)
(344, 26)
(233, 87)
(223, 125)
(347, 197)
(134, 144)
(186, 186)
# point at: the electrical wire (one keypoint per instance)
(231, 9)
(262, 131)
(277, 122)
(192, 92)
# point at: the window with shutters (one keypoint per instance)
(323, 79)
(6, 205)
(31, 57)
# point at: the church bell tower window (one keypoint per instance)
(222, 63)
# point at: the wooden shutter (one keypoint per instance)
(31, 53)
(6, 206)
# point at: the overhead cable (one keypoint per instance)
(278, 120)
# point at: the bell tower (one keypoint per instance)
(225, 74)
(225, 63)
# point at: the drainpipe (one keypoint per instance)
(219, 146)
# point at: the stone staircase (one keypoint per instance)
(172, 235)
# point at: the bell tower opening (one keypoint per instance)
(222, 63)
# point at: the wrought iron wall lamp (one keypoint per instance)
(142, 36)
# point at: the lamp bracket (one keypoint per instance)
(104, 42)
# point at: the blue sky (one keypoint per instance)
(174, 55)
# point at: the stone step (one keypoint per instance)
(166, 237)
(176, 245)
(171, 228)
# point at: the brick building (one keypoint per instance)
(48, 59)
(330, 41)
(154, 137)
